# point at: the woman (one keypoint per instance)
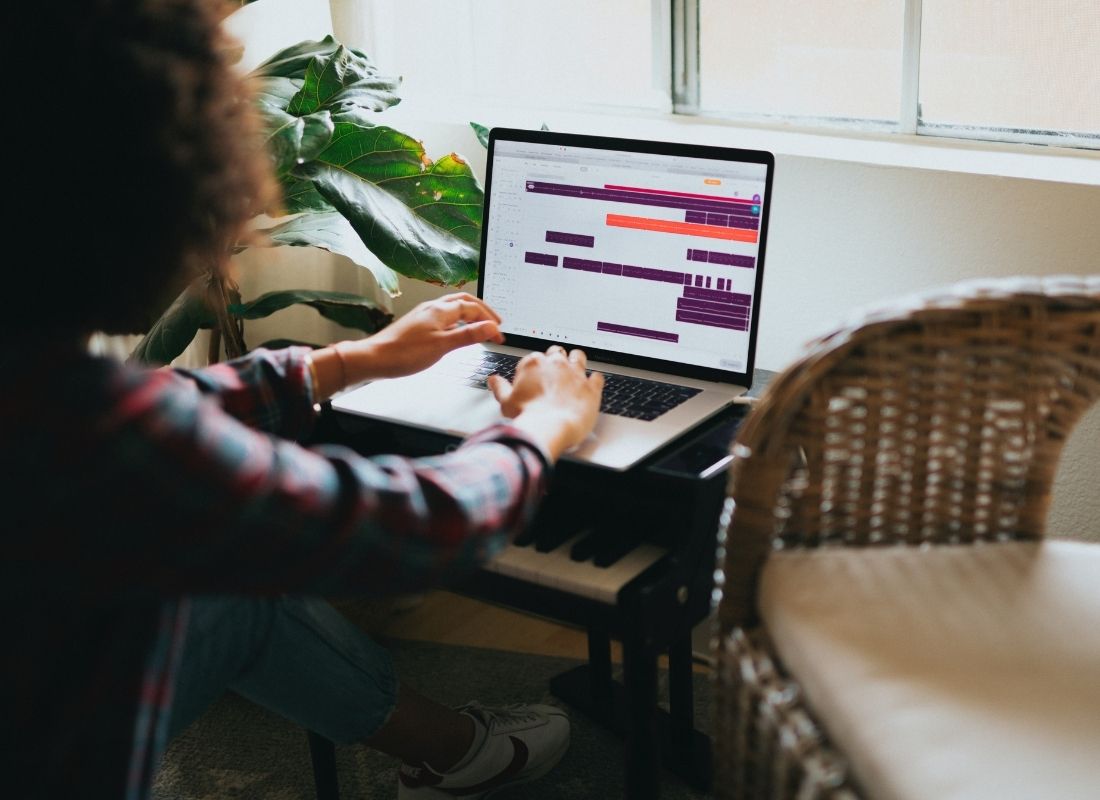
(158, 520)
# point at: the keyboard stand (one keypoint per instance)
(654, 738)
(653, 614)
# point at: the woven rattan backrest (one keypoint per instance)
(941, 420)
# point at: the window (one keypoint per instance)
(567, 53)
(1010, 70)
(1015, 67)
(792, 59)
(1007, 70)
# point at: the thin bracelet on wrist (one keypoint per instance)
(314, 383)
(343, 365)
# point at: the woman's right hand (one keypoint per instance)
(552, 398)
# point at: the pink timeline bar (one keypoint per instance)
(684, 194)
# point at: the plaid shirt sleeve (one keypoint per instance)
(239, 510)
(270, 390)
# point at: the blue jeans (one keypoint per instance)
(297, 656)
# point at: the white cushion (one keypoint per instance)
(968, 671)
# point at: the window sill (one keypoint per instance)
(1027, 161)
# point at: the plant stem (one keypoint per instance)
(219, 293)
(213, 352)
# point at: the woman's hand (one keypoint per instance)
(415, 341)
(552, 398)
(424, 335)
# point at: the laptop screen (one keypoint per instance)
(651, 251)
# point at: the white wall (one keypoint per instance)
(843, 234)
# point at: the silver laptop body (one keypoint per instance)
(647, 255)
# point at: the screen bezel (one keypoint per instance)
(613, 357)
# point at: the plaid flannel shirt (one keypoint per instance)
(128, 490)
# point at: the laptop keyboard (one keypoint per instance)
(623, 396)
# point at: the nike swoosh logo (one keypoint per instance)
(520, 755)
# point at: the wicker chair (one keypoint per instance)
(891, 622)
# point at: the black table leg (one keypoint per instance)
(599, 673)
(686, 750)
(643, 763)
(323, 754)
(681, 701)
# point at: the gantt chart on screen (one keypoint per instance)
(653, 255)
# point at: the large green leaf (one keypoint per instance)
(344, 80)
(421, 218)
(176, 327)
(349, 310)
(276, 92)
(293, 61)
(330, 231)
(294, 140)
(299, 194)
(400, 239)
(328, 75)
(445, 194)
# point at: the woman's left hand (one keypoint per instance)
(421, 337)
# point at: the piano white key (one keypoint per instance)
(525, 563)
(557, 570)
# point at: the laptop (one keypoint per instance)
(647, 255)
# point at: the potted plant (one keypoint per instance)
(349, 185)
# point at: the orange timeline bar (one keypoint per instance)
(686, 228)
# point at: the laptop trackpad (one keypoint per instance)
(424, 400)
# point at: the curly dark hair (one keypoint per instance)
(149, 158)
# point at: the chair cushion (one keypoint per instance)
(969, 671)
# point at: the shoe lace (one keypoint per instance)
(516, 713)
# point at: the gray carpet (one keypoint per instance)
(238, 750)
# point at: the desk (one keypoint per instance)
(673, 500)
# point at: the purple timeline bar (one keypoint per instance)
(580, 240)
(625, 270)
(726, 259)
(715, 296)
(723, 220)
(541, 258)
(623, 196)
(712, 320)
(713, 313)
(645, 333)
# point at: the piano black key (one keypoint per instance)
(616, 549)
(552, 538)
(586, 547)
(526, 536)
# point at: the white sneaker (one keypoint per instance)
(518, 744)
